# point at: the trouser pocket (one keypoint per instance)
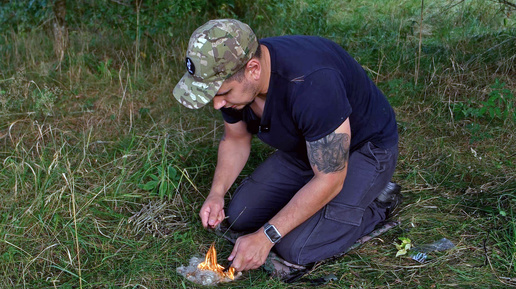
(379, 157)
(343, 213)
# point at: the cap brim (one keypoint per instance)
(193, 93)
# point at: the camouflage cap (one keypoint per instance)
(216, 50)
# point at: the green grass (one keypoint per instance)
(102, 172)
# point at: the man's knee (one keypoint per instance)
(303, 252)
(242, 219)
(324, 238)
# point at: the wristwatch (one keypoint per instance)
(272, 233)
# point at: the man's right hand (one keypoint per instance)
(212, 211)
(234, 149)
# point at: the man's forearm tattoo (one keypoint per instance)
(330, 153)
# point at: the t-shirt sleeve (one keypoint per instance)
(231, 115)
(320, 104)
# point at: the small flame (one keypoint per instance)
(210, 263)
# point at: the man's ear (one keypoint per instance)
(253, 69)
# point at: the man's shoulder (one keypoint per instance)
(297, 55)
(294, 39)
(311, 50)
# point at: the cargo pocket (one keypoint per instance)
(343, 213)
(377, 156)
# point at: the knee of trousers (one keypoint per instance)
(242, 218)
(290, 251)
(328, 238)
(302, 252)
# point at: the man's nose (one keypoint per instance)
(218, 103)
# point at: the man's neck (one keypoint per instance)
(263, 86)
(265, 76)
(257, 106)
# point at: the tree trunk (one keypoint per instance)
(60, 30)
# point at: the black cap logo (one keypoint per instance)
(190, 66)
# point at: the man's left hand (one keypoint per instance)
(250, 251)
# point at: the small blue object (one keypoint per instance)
(420, 257)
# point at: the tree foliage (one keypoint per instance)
(151, 16)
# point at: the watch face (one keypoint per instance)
(272, 233)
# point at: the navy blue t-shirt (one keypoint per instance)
(315, 85)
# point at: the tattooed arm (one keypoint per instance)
(329, 160)
(330, 153)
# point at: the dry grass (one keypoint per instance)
(78, 145)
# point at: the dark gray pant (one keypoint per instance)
(349, 216)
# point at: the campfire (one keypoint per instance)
(209, 271)
(210, 263)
